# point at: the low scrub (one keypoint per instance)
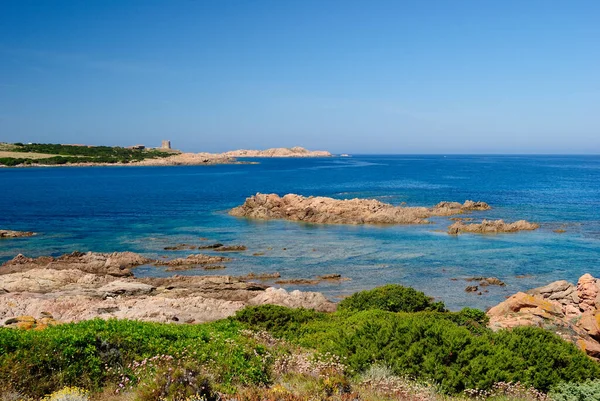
(95, 353)
(417, 350)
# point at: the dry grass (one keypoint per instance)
(19, 155)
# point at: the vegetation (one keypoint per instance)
(67, 154)
(392, 298)
(587, 391)
(418, 351)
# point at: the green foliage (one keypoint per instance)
(433, 346)
(586, 391)
(278, 320)
(453, 349)
(176, 383)
(90, 354)
(392, 298)
(68, 154)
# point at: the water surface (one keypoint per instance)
(144, 209)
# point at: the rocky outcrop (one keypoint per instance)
(114, 264)
(491, 227)
(192, 261)
(350, 211)
(277, 152)
(187, 159)
(15, 234)
(572, 311)
(79, 286)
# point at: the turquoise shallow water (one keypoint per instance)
(144, 209)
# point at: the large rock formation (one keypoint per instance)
(572, 311)
(491, 227)
(80, 286)
(15, 234)
(350, 211)
(278, 152)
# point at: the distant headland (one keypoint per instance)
(39, 154)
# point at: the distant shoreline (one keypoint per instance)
(49, 155)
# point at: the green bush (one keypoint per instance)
(586, 391)
(278, 320)
(431, 346)
(392, 298)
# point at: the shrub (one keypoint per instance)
(278, 320)
(586, 391)
(430, 346)
(392, 298)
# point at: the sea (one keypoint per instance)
(145, 209)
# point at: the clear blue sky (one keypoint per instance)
(378, 76)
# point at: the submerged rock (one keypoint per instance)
(230, 248)
(350, 211)
(485, 281)
(15, 234)
(572, 311)
(193, 260)
(491, 227)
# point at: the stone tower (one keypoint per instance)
(166, 145)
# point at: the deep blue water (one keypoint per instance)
(144, 209)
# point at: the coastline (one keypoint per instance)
(191, 159)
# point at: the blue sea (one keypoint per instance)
(144, 209)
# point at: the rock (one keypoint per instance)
(350, 211)
(211, 246)
(115, 264)
(587, 291)
(258, 254)
(127, 288)
(230, 248)
(294, 299)
(15, 234)
(485, 281)
(590, 322)
(332, 276)
(472, 288)
(260, 276)
(180, 247)
(569, 310)
(278, 152)
(298, 281)
(214, 267)
(186, 298)
(193, 260)
(30, 323)
(49, 280)
(491, 227)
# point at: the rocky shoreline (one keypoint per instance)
(199, 159)
(81, 286)
(570, 310)
(36, 292)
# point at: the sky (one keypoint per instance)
(371, 76)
